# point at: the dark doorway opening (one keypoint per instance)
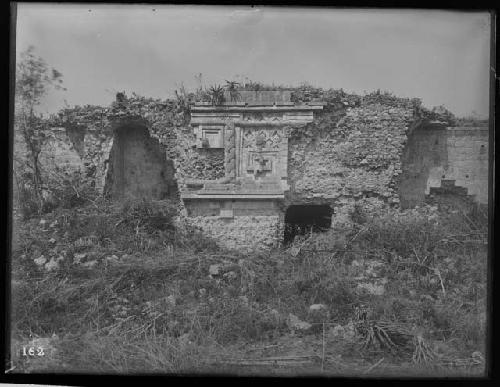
(300, 220)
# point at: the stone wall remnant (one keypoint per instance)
(426, 149)
(467, 164)
(239, 165)
(437, 156)
(60, 153)
(341, 159)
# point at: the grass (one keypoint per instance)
(154, 308)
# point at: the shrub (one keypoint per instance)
(71, 189)
(61, 189)
(152, 215)
(153, 296)
(28, 202)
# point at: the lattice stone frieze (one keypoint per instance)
(270, 138)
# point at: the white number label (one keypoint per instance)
(33, 351)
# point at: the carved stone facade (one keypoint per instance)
(254, 133)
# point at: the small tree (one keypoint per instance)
(33, 80)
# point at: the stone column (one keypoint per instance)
(230, 151)
(237, 138)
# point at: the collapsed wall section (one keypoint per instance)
(138, 166)
(440, 160)
(348, 159)
(425, 150)
(98, 125)
(467, 163)
(59, 154)
(70, 150)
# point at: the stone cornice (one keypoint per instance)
(187, 196)
(262, 123)
(264, 108)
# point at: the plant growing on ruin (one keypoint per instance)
(441, 113)
(34, 78)
(251, 85)
(183, 99)
(232, 88)
(216, 93)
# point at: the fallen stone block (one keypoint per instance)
(51, 265)
(40, 260)
(295, 324)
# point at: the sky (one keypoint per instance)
(441, 57)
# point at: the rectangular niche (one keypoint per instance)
(211, 137)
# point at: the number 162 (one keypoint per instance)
(33, 351)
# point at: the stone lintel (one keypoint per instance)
(254, 123)
(264, 108)
(243, 104)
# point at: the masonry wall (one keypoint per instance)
(351, 154)
(467, 151)
(60, 154)
(77, 150)
(96, 152)
(445, 158)
(238, 224)
(241, 232)
(195, 163)
(349, 159)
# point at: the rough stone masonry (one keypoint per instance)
(241, 168)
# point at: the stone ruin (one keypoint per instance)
(246, 205)
(256, 170)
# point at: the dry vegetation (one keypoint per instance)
(125, 288)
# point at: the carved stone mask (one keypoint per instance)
(260, 141)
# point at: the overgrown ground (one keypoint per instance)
(119, 288)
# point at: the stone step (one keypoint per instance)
(448, 186)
